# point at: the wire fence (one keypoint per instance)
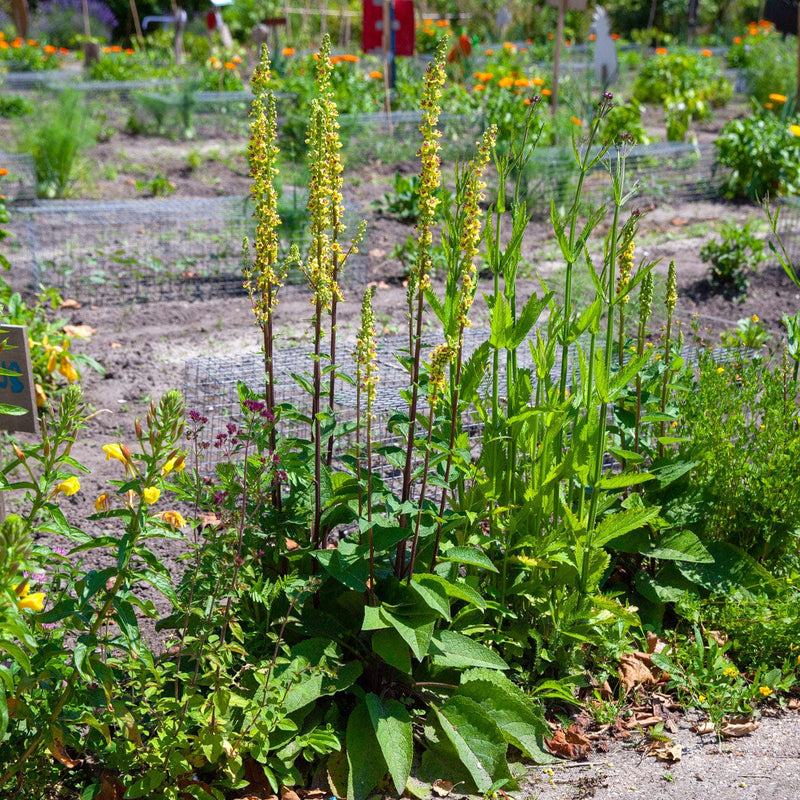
(147, 250)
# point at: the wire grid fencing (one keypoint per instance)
(788, 229)
(661, 171)
(19, 186)
(211, 389)
(160, 249)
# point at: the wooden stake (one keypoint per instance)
(562, 13)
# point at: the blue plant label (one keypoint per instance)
(16, 380)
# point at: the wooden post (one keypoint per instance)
(85, 12)
(136, 24)
(562, 13)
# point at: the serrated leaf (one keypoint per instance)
(392, 725)
(680, 546)
(622, 522)
(453, 649)
(393, 649)
(476, 739)
(624, 480)
(455, 589)
(364, 760)
(415, 631)
(433, 596)
(519, 717)
(470, 556)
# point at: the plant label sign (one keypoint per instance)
(16, 380)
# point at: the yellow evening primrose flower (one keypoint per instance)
(103, 503)
(754, 318)
(114, 451)
(66, 368)
(173, 518)
(177, 464)
(764, 691)
(794, 130)
(69, 486)
(701, 698)
(34, 602)
(151, 494)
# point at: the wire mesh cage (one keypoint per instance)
(160, 249)
(665, 170)
(20, 183)
(788, 229)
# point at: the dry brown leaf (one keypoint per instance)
(703, 728)
(719, 637)
(442, 788)
(60, 754)
(291, 544)
(559, 746)
(667, 751)
(70, 302)
(793, 704)
(208, 520)
(679, 222)
(633, 670)
(81, 331)
(312, 794)
(655, 644)
(643, 721)
(289, 794)
(111, 788)
(115, 345)
(377, 253)
(733, 730)
(577, 735)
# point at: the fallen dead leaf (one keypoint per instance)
(733, 729)
(70, 302)
(655, 644)
(577, 735)
(560, 746)
(377, 253)
(114, 345)
(703, 728)
(208, 520)
(634, 669)
(793, 704)
(679, 221)
(442, 788)
(312, 794)
(719, 637)
(667, 751)
(289, 794)
(111, 788)
(81, 331)
(643, 721)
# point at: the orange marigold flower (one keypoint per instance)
(3, 45)
(504, 83)
(592, 37)
(661, 51)
(288, 51)
(546, 92)
(778, 98)
(706, 53)
(737, 39)
(350, 58)
(106, 49)
(484, 77)
(576, 121)
(509, 46)
(376, 75)
(237, 59)
(615, 36)
(65, 51)
(32, 42)
(523, 82)
(49, 49)
(3, 171)
(116, 49)
(442, 23)
(128, 51)
(230, 65)
(490, 52)
(537, 81)
(568, 43)
(549, 35)
(769, 106)
(478, 87)
(16, 44)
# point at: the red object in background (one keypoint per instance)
(460, 50)
(372, 28)
(211, 20)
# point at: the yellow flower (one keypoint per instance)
(103, 503)
(69, 486)
(114, 451)
(178, 464)
(720, 370)
(701, 698)
(35, 601)
(41, 397)
(754, 318)
(173, 518)
(764, 691)
(151, 494)
(794, 130)
(731, 671)
(67, 369)
(768, 106)
(778, 98)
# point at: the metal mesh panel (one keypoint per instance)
(788, 229)
(146, 250)
(20, 183)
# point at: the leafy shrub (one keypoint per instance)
(734, 257)
(761, 157)
(769, 63)
(60, 22)
(14, 105)
(28, 56)
(681, 73)
(625, 117)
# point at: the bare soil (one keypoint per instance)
(143, 349)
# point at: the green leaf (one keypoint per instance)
(732, 570)
(680, 546)
(151, 780)
(468, 555)
(365, 764)
(519, 717)
(622, 522)
(392, 726)
(415, 631)
(433, 596)
(624, 480)
(453, 649)
(373, 620)
(455, 589)
(476, 738)
(393, 649)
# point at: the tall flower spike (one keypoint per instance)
(471, 232)
(441, 356)
(646, 299)
(430, 169)
(671, 299)
(625, 262)
(365, 354)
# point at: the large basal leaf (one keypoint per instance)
(470, 556)
(416, 631)
(733, 570)
(455, 589)
(476, 738)
(364, 761)
(519, 717)
(680, 546)
(453, 649)
(622, 522)
(392, 726)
